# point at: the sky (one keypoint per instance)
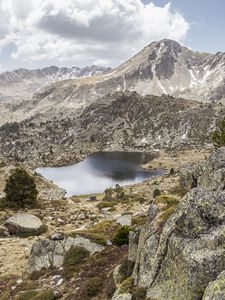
(39, 33)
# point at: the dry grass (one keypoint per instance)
(99, 233)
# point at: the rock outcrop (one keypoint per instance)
(215, 290)
(24, 223)
(184, 257)
(209, 174)
(51, 252)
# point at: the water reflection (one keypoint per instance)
(100, 171)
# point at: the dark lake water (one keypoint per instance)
(100, 171)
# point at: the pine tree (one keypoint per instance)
(20, 188)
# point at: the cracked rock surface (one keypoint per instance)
(181, 260)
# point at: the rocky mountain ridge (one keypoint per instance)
(22, 83)
(163, 67)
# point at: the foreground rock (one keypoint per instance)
(182, 258)
(209, 174)
(51, 252)
(125, 219)
(216, 289)
(24, 223)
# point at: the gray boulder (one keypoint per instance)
(24, 223)
(118, 296)
(189, 177)
(209, 174)
(215, 290)
(125, 219)
(179, 262)
(51, 253)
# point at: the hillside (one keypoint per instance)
(121, 121)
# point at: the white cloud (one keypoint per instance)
(106, 31)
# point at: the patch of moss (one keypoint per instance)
(126, 286)
(100, 233)
(74, 259)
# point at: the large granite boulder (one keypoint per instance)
(24, 223)
(51, 252)
(180, 261)
(125, 219)
(118, 296)
(215, 290)
(209, 174)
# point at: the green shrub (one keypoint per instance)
(20, 189)
(122, 236)
(74, 259)
(108, 194)
(156, 193)
(94, 286)
(218, 136)
(118, 189)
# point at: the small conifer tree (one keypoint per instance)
(21, 189)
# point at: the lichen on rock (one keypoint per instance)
(180, 261)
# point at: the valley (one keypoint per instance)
(159, 238)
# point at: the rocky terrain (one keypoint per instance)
(67, 247)
(23, 83)
(179, 253)
(69, 114)
(122, 121)
(36, 264)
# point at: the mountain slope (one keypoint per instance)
(163, 67)
(23, 83)
(122, 121)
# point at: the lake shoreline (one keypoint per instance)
(101, 170)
